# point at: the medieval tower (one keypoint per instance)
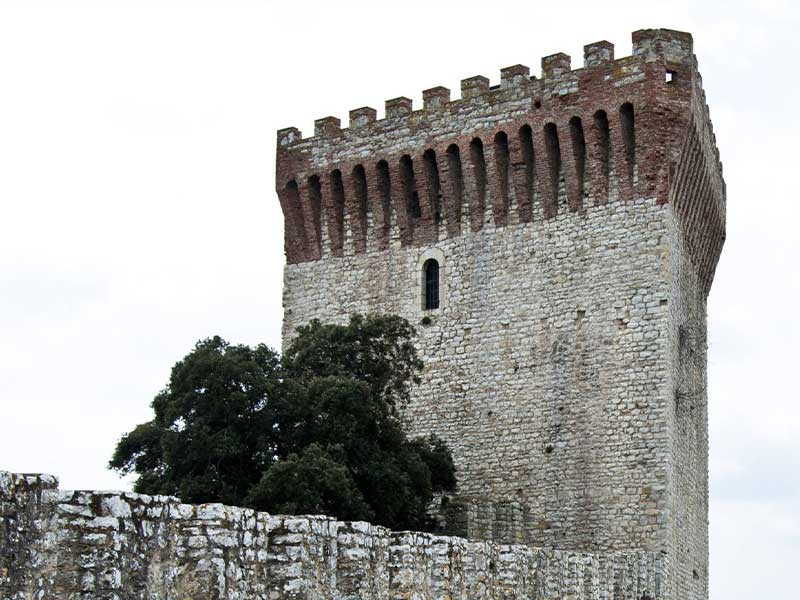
(553, 240)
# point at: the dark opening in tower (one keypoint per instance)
(526, 148)
(337, 204)
(295, 217)
(431, 277)
(410, 187)
(479, 173)
(501, 160)
(628, 137)
(385, 198)
(456, 177)
(361, 203)
(603, 141)
(554, 164)
(434, 184)
(579, 152)
(315, 201)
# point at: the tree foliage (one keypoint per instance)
(315, 431)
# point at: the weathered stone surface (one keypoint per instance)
(577, 220)
(107, 545)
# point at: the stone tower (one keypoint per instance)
(554, 240)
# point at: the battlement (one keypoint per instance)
(525, 150)
(650, 45)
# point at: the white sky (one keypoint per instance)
(138, 213)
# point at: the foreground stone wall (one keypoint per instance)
(111, 545)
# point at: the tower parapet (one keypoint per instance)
(524, 150)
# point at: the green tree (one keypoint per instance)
(210, 437)
(317, 431)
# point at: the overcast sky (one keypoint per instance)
(138, 215)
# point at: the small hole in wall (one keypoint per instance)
(548, 449)
(426, 321)
(695, 574)
(489, 414)
(669, 76)
(537, 104)
(663, 303)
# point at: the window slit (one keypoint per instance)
(431, 290)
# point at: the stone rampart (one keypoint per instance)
(114, 545)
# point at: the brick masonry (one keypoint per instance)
(577, 219)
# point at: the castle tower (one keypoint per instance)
(554, 241)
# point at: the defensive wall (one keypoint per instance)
(115, 546)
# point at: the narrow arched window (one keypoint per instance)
(431, 272)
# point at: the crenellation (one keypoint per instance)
(556, 65)
(636, 137)
(597, 54)
(435, 97)
(360, 117)
(474, 87)
(648, 45)
(289, 136)
(397, 108)
(327, 126)
(663, 44)
(515, 76)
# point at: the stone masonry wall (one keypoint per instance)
(545, 368)
(120, 546)
(687, 418)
